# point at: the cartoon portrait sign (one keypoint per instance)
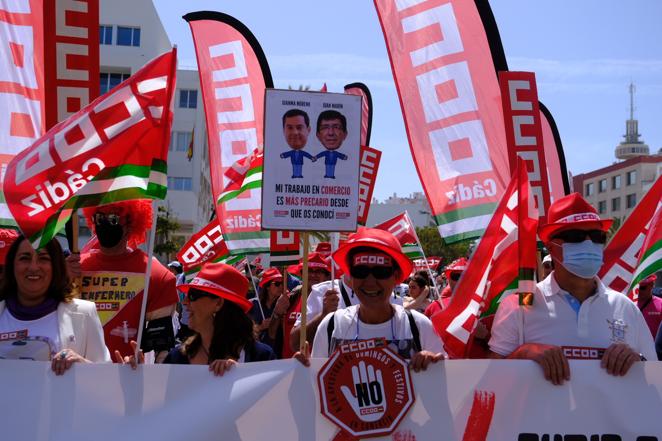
(311, 161)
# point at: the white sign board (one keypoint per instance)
(311, 161)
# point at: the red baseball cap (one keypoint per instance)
(323, 248)
(270, 274)
(648, 280)
(570, 212)
(458, 265)
(223, 281)
(373, 238)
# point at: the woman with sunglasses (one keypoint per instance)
(374, 260)
(37, 305)
(419, 292)
(452, 272)
(223, 332)
(268, 304)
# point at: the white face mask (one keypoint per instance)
(583, 259)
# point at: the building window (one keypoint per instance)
(616, 182)
(188, 99)
(180, 141)
(180, 184)
(590, 189)
(631, 177)
(616, 204)
(108, 81)
(602, 207)
(602, 185)
(630, 200)
(128, 36)
(105, 34)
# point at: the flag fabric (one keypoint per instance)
(366, 109)
(443, 71)
(404, 230)
(431, 262)
(207, 245)
(285, 248)
(624, 251)
(233, 77)
(22, 88)
(368, 168)
(189, 151)
(494, 267)
(650, 257)
(113, 149)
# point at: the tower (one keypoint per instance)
(631, 146)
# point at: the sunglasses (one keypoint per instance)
(112, 219)
(455, 276)
(277, 284)
(577, 236)
(195, 294)
(378, 272)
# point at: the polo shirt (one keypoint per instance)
(605, 318)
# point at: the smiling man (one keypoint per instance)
(296, 128)
(331, 131)
(375, 262)
(573, 314)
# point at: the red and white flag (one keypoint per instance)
(114, 149)
(404, 230)
(233, 76)
(650, 257)
(368, 168)
(506, 250)
(285, 248)
(366, 109)
(207, 245)
(624, 251)
(444, 75)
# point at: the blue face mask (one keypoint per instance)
(583, 259)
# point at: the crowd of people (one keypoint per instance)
(85, 307)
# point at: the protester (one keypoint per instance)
(419, 292)
(453, 273)
(572, 308)
(547, 266)
(178, 271)
(269, 290)
(36, 301)
(7, 238)
(319, 271)
(217, 305)
(113, 276)
(650, 305)
(375, 261)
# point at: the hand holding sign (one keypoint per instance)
(367, 401)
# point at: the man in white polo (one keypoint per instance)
(573, 314)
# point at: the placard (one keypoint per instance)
(311, 161)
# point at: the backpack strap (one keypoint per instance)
(345, 296)
(329, 331)
(414, 331)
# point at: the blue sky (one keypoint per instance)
(584, 54)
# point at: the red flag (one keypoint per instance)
(114, 149)
(623, 251)
(404, 230)
(444, 74)
(284, 248)
(494, 266)
(233, 76)
(368, 167)
(366, 109)
(205, 245)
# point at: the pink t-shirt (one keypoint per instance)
(652, 312)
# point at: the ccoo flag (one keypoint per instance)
(113, 149)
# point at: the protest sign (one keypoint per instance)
(311, 182)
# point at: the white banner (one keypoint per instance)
(279, 401)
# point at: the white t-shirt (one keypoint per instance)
(315, 302)
(604, 318)
(397, 331)
(42, 342)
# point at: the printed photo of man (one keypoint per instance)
(331, 131)
(296, 128)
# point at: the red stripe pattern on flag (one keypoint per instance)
(493, 267)
(113, 149)
(404, 230)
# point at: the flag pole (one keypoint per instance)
(304, 292)
(335, 238)
(257, 294)
(148, 272)
(425, 259)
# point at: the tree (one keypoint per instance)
(433, 245)
(166, 244)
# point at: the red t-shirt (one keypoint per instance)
(115, 284)
(289, 320)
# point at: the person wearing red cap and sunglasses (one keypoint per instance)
(573, 314)
(375, 262)
(217, 305)
(266, 303)
(650, 305)
(453, 272)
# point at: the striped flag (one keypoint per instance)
(650, 259)
(114, 149)
(244, 174)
